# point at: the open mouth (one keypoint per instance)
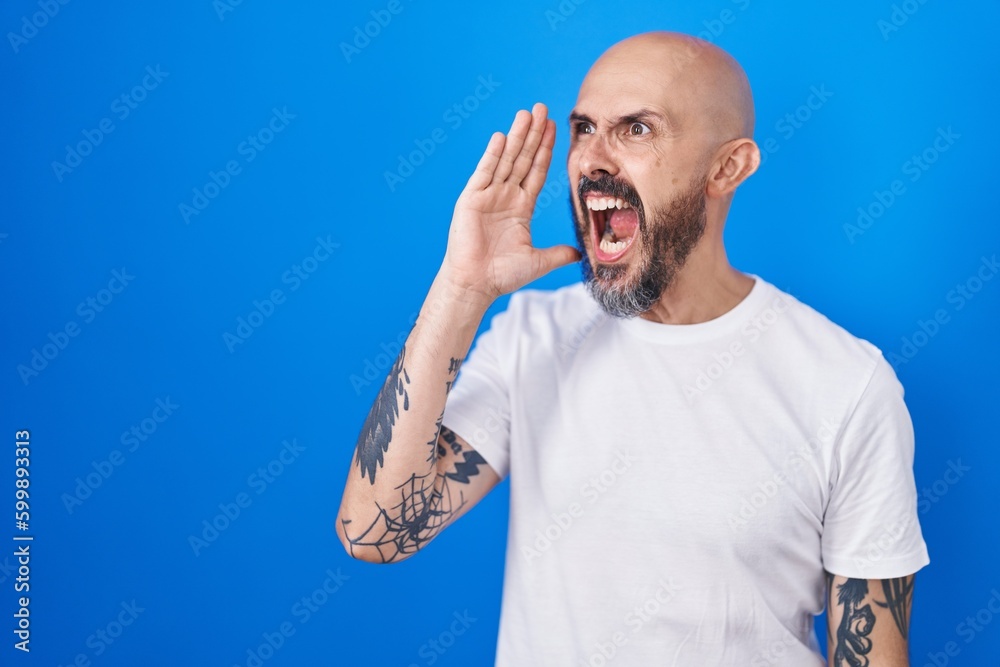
(614, 226)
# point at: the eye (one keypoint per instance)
(584, 127)
(638, 128)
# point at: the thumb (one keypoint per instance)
(548, 259)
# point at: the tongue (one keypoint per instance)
(623, 222)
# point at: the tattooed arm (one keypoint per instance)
(868, 621)
(410, 477)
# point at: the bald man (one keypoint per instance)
(698, 461)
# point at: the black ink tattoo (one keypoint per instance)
(898, 594)
(852, 644)
(373, 442)
(452, 441)
(467, 468)
(427, 504)
(453, 366)
(435, 446)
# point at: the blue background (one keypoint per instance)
(300, 375)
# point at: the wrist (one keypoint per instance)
(454, 291)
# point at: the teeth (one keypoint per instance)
(611, 247)
(604, 203)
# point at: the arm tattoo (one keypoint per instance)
(377, 431)
(898, 594)
(435, 446)
(451, 440)
(467, 468)
(436, 449)
(453, 366)
(852, 644)
(427, 503)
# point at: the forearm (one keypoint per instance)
(405, 484)
(868, 621)
(397, 451)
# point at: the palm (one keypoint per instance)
(489, 245)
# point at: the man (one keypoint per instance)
(697, 460)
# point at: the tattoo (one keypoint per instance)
(373, 442)
(435, 446)
(467, 468)
(898, 594)
(451, 439)
(852, 643)
(427, 504)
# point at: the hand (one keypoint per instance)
(489, 243)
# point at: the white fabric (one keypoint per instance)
(677, 490)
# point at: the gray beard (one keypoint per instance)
(666, 243)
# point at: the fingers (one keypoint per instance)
(548, 259)
(515, 140)
(535, 179)
(539, 116)
(520, 156)
(483, 175)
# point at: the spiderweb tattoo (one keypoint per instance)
(426, 505)
(426, 502)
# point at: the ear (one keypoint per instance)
(736, 161)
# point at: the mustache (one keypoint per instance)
(611, 186)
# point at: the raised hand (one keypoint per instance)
(489, 243)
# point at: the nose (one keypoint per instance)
(596, 158)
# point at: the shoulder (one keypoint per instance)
(822, 353)
(810, 331)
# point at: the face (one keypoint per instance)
(659, 245)
(639, 205)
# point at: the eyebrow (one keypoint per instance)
(644, 115)
(636, 116)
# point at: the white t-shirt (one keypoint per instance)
(678, 490)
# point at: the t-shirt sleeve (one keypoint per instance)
(478, 406)
(871, 529)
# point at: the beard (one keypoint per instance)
(659, 253)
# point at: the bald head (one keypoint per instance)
(661, 137)
(704, 85)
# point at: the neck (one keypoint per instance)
(701, 291)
